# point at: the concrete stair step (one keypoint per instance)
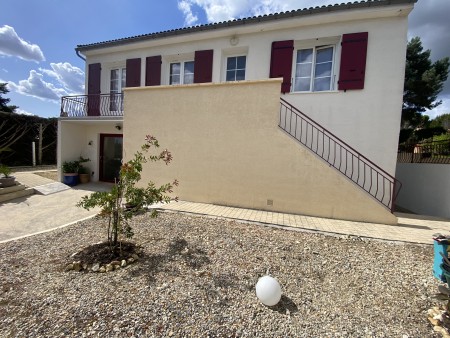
(16, 194)
(17, 187)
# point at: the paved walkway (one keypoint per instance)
(410, 228)
(34, 214)
(29, 215)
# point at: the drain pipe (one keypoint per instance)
(80, 56)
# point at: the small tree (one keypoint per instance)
(125, 199)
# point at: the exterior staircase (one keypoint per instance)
(16, 191)
(349, 162)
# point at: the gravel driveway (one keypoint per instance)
(197, 278)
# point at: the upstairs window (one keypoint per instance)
(314, 69)
(181, 73)
(118, 80)
(236, 68)
(116, 85)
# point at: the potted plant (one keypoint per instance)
(83, 172)
(6, 180)
(70, 172)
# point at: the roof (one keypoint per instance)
(245, 21)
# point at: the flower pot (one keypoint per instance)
(84, 178)
(7, 181)
(71, 179)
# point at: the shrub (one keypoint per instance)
(125, 199)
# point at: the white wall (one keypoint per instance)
(426, 188)
(368, 119)
(75, 142)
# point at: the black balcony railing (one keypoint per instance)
(367, 175)
(92, 105)
(424, 152)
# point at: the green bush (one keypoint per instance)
(124, 199)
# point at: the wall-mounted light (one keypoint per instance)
(234, 40)
(90, 143)
(118, 127)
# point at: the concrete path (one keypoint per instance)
(38, 213)
(410, 228)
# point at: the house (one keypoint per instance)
(297, 112)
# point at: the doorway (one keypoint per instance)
(111, 146)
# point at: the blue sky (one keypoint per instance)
(37, 38)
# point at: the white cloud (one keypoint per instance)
(63, 79)
(35, 86)
(444, 108)
(70, 77)
(13, 45)
(23, 112)
(189, 17)
(223, 10)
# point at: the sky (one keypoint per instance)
(38, 37)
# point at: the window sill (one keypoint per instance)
(321, 92)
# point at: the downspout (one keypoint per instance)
(79, 55)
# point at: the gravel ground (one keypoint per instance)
(196, 278)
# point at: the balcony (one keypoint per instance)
(97, 105)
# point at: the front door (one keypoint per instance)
(110, 156)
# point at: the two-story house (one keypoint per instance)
(297, 112)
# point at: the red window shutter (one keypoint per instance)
(203, 65)
(153, 71)
(353, 61)
(281, 62)
(94, 75)
(133, 73)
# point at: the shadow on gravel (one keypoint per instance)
(285, 304)
(178, 252)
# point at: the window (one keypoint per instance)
(314, 68)
(236, 68)
(118, 78)
(117, 83)
(181, 73)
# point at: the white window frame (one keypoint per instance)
(226, 66)
(315, 47)
(121, 84)
(313, 68)
(182, 72)
(122, 80)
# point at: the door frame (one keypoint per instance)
(100, 162)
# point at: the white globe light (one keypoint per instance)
(268, 290)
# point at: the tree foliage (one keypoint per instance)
(125, 199)
(424, 81)
(17, 132)
(4, 101)
(441, 121)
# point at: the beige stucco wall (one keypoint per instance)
(74, 136)
(228, 150)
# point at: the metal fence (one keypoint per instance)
(424, 152)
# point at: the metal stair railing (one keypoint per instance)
(338, 154)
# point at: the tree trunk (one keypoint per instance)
(40, 144)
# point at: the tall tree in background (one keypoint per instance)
(424, 81)
(4, 101)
